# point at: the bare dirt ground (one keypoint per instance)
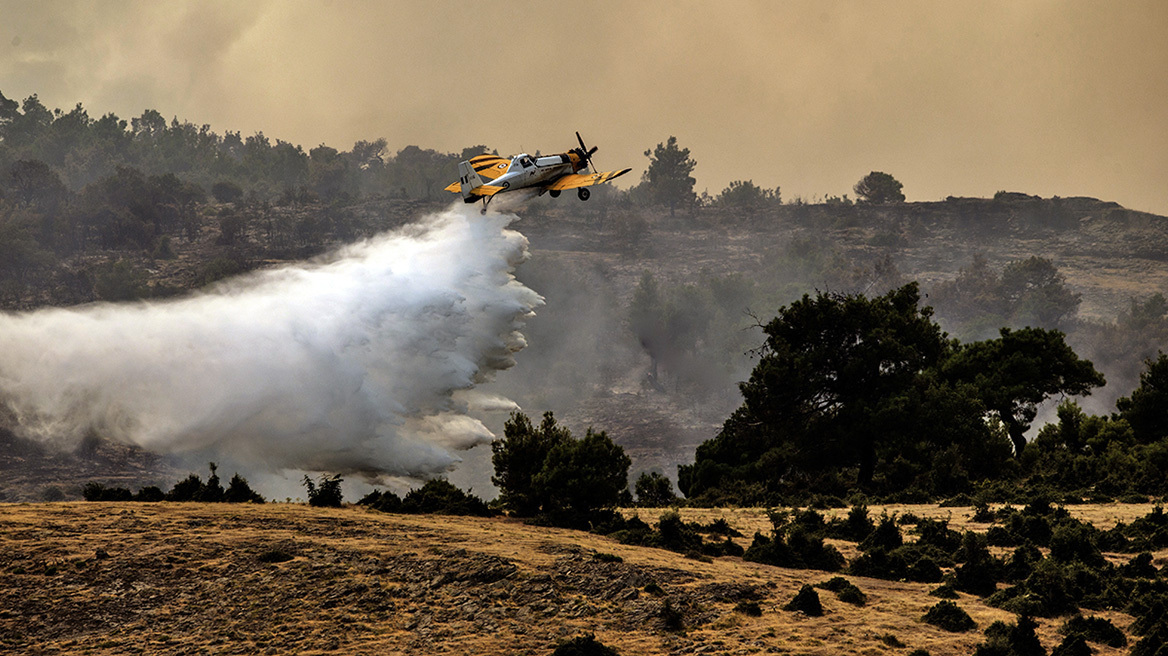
(165, 578)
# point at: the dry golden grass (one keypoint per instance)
(195, 578)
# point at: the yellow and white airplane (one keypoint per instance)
(484, 176)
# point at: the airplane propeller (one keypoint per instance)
(585, 152)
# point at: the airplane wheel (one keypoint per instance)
(554, 193)
(583, 193)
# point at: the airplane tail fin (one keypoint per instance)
(468, 180)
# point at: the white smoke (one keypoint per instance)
(358, 362)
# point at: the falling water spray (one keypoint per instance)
(361, 361)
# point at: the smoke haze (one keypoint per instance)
(362, 361)
(1050, 98)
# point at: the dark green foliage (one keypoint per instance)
(1019, 370)
(585, 645)
(980, 571)
(944, 591)
(544, 471)
(1146, 410)
(238, 491)
(950, 617)
(1021, 563)
(671, 533)
(1051, 590)
(192, 488)
(440, 497)
(879, 187)
(150, 493)
(906, 563)
(1018, 639)
(886, 535)
(580, 476)
(1072, 645)
(519, 456)
(226, 191)
(791, 545)
(856, 527)
(806, 601)
(667, 180)
(188, 489)
(607, 558)
(982, 513)
(845, 591)
(654, 490)
(382, 500)
(1140, 566)
(936, 533)
(1095, 629)
(858, 363)
(324, 493)
(98, 492)
(1076, 542)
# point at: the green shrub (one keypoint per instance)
(1095, 629)
(944, 591)
(382, 501)
(806, 601)
(325, 494)
(150, 493)
(792, 547)
(441, 497)
(885, 536)
(585, 645)
(1072, 645)
(950, 617)
(238, 491)
(97, 492)
(845, 591)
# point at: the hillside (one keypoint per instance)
(107, 578)
(583, 362)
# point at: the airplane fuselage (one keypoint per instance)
(527, 171)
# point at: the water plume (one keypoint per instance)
(361, 361)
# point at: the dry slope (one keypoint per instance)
(280, 578)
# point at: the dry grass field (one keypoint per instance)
(166, 578)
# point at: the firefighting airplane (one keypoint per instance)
(484, 176)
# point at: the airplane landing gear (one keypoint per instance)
(583, 193)
(554, 193)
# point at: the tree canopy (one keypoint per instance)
(871, 388)
(1019, 370)
(667, 181)
(879, 187)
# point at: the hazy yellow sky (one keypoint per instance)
(1051, 98)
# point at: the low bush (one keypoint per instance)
(441, 497)
(324, 493)
(950, 617)
(792, 547)
(585, 645)
(1095, 629)
(806, 601)
(1018, 639)
(845, 591)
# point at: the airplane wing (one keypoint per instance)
(573, 180)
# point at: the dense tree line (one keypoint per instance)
(857, 394)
